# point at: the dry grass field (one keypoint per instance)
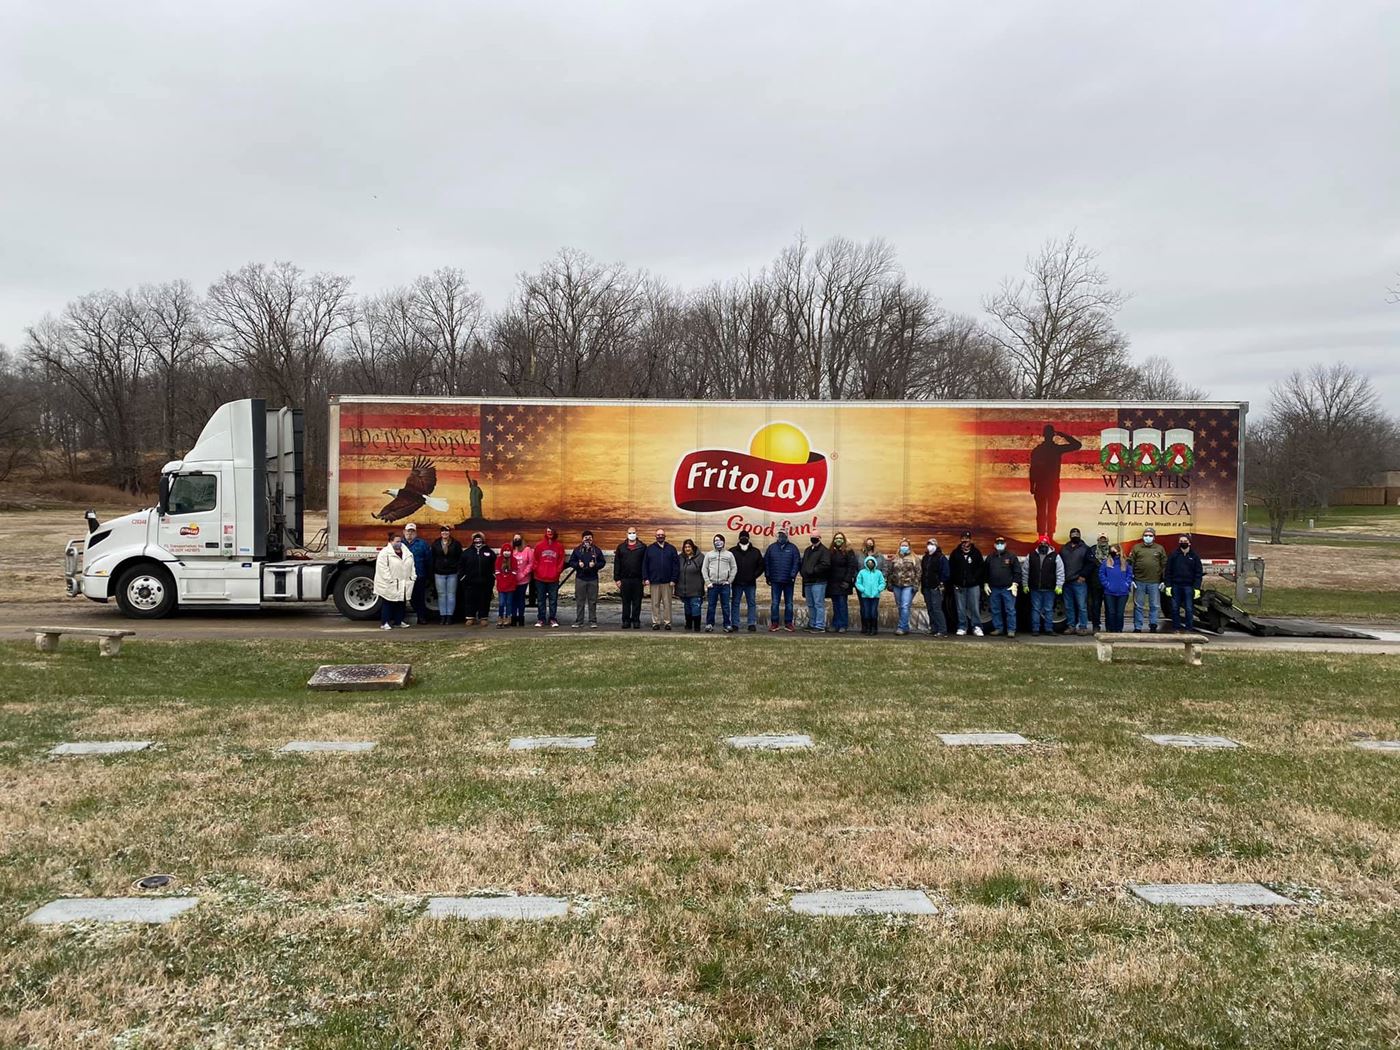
(682, 854)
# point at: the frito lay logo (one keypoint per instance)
(780, 473)
(189, 530)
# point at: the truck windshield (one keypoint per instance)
(192, 493)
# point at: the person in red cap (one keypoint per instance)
(1043, 574)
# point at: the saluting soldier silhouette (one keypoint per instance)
(1045, 477)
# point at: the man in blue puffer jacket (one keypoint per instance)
(422, 552)
(780, 564)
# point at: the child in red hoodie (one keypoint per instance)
(505, 587)
(549, 563)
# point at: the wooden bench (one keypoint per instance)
(109, 640)
(1191, 641)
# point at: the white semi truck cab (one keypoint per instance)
(229, 516)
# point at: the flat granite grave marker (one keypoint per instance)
(1389, 746)
(983, 739)
(544, 743)
(1187, 740)
(100, 747)
(528, 908)
(350, 678)
(770, 742)
(111, 909)
(327, 746)
(1211, 895)
(863, 902)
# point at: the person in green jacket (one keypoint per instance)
(870, 584)
(1148, 562)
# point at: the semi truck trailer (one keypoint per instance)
(228, 527)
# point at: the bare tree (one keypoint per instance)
(168, 323)
(449, 315)
(1155, 379)
(1056, 324)
(388, 350)
(19, 421)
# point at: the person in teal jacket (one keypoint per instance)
(870, 584)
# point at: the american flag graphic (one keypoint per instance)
(518, 440)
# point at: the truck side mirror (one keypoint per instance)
(164, 505)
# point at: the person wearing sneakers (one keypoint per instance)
(965, 571)
(816, 574)
(870, 584)
(1001, 579)
(1149, 564)
(720, 570)
(477, 573)
(394, 575)
(748, 567)
(1043, 574)
(780, 564)
(661, 570)
(1115, 581)
(690, 583)
(587, 561)
(629, 571)
(1183, 584)
(447, 563)
(1080, 568)
(933, 574)
(549, 564)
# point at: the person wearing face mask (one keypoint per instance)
(1001, 581)
(394, 576)
(422, 552)
(1043, 574)
(1183, 584)
(662, 570)
(587, 562)
(1099, 554)
(447, 564)
(869, 550)
(1080, 568)
(690, 583)
(933, 574)
(748, 567)
(629, 570)
(478, 572)
(902, 577)
(524, 559)
(549, 565)
(816, 572)
(719, 572)
(1149, 564)
(844, 567)
(965, 573)
(780, 564)
(505, 587)
(1116, 580)
(870, 584)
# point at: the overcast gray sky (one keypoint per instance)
(1236, 164)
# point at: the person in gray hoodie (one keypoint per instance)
(719, 571)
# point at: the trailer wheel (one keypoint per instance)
(354, 593)
(146, 592)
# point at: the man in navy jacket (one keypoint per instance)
(660, 569)
(780, 564)
(1183, 583)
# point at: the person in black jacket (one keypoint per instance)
(587, 561)
(816, 571)
(1183, 584)
(844, 566)
(749, 560)
(965, 577)
(446, 559)
(933, 574)
(629, 562)
(478, 578)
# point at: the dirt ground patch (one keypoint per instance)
(1344, 568)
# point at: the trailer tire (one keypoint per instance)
(146, 591)
(354, 593)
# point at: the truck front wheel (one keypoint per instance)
(146, 592)
(354, 593)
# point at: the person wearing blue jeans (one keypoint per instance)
(748, 563)
(902, 576)
(1149, 564)
(844, 567)
(780, 564)
(816, 572)
(1148, 595)
(1115, 580)
(1003, 602)
(1002, 579)
(1183, 584)
(1043, 574)
(1081, 567)
(719, 570)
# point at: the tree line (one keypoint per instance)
(123, 373)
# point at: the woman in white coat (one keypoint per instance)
(393, 582)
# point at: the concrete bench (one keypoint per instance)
(109, 640)
(1189, 641)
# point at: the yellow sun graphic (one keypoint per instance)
(780, 443)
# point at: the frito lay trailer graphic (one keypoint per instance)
(869, 469)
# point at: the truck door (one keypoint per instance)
(192, 529)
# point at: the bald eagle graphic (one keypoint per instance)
(416, 492)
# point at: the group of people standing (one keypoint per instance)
(1094, 582)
